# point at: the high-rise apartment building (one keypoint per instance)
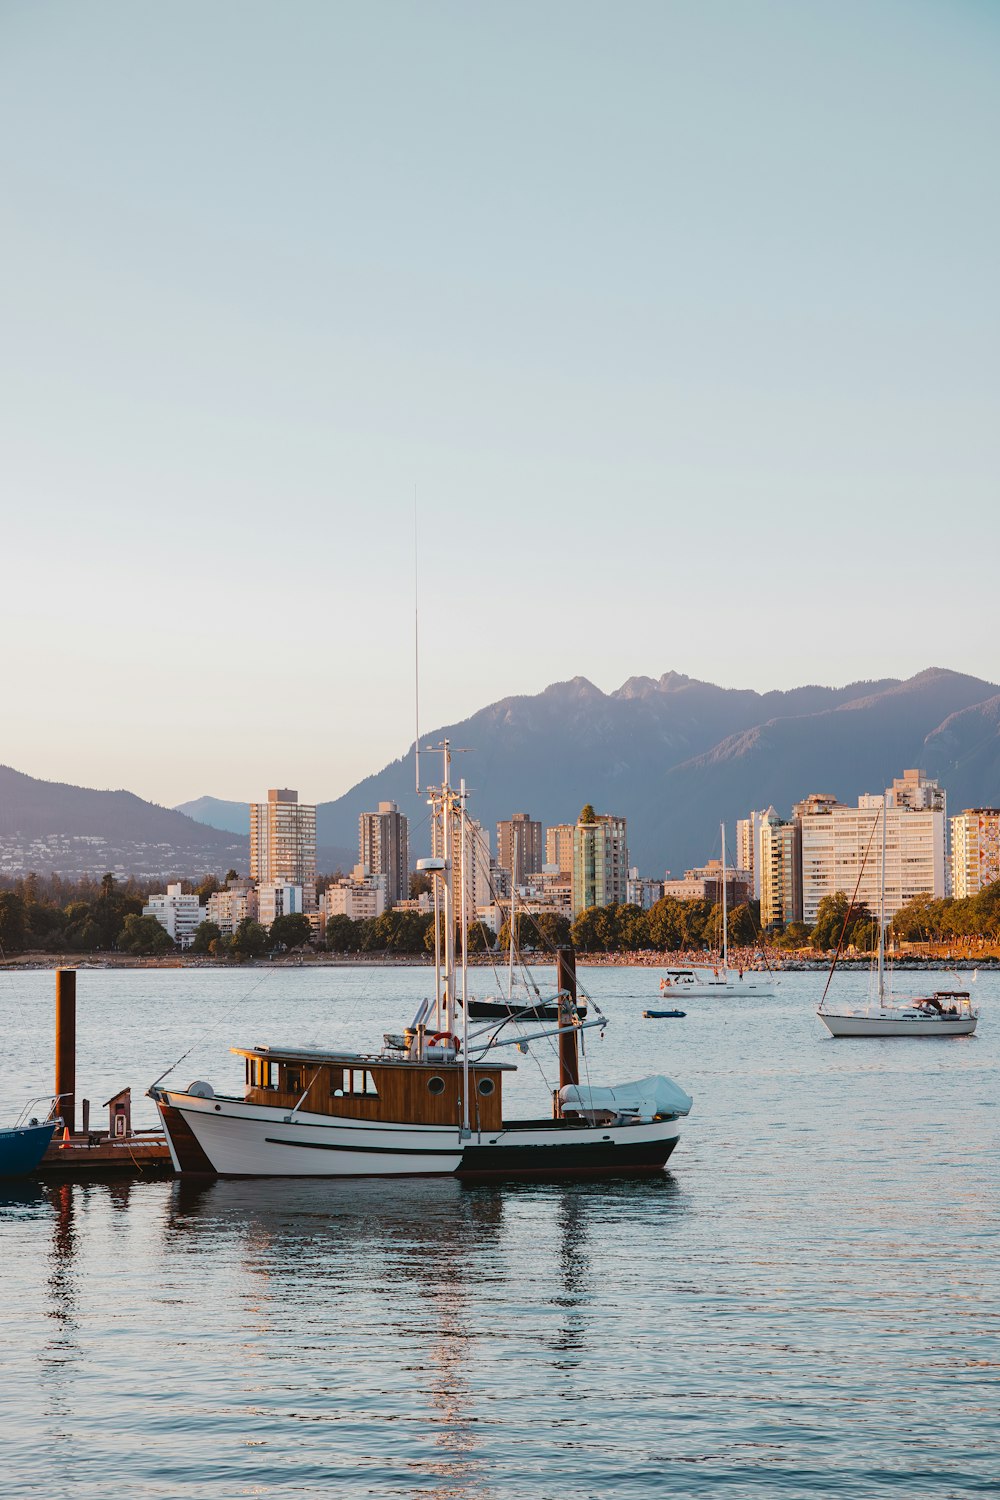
(559, 847)
(283, 843)
(384, 849)
(748, 848)
(600, 860)
(841, 847)
(975, 850)
(780, 871)
(478, 860)
(519, 847)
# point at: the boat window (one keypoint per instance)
(293, 1080)
(352, 1081)
(486, 1086)
(435, 1085)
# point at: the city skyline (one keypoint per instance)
(720, 278)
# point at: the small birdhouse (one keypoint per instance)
(120, 1114)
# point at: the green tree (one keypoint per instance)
(250, 940)
(13, 924)
(421, 881)
(206, 934)
(741, 927)
(587, 813)
(230, 875)
(665, 925)
(343, 935)
(143, 935)
(208, 887)
(290, 931)
(553, 930)
(833, 917)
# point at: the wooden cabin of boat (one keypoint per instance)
(398, 1091)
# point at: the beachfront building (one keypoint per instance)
(705, 884)
(975, 850)
(384, 849)
(841, 847)
(279, 898)
(228, 908)
(520, 847)
(780, 871)
(559, 847)
(748, 848)
(640, 891)
(362, 896)
(180, 916)
(600, 860)
(283, 843)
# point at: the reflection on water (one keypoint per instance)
(805, 1305)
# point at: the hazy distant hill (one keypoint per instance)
(235, 817)
(48, 825)
(676, 756)
(230, 817)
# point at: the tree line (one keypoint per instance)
(53, 915)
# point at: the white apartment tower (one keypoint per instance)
(840, 844)
(283, 843)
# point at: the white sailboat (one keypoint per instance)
(942, 1013)
(720, 982)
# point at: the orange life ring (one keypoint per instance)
(444, 1036)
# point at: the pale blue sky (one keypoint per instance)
(681, 319)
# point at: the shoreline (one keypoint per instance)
(47, 962)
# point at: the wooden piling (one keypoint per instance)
(66, 1046)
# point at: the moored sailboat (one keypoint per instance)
(943, 1013)
(430, 1102)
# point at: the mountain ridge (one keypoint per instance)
(673, 754)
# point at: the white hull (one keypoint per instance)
(718, 989)
(897, 1023)
(251, 1140)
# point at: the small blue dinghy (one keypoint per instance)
(662, 1015)
(23, 1146)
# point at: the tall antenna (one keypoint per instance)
(416, 643)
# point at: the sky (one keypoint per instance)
(669, 330)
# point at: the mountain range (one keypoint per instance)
(675, 756)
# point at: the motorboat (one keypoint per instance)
(23, 1144)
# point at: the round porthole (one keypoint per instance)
(435, 1085)
(486, 1085)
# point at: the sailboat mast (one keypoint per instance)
(881, 918)
(448, 1011)
(465, 960)
(725, 933)
(513, 903)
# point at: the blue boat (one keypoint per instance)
(23, 1146)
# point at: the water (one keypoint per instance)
(806, 1304)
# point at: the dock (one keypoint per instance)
(144, 1152)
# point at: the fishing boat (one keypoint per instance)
(429, 1102)
(943, 1013)
(721, 981)
(23, 1144)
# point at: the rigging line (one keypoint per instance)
(850, 908)
(212, 1026)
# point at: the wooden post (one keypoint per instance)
(569, 1062)
(66, 1046)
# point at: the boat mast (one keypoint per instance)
(448, 976)
(881, 919)
(513, 902)
(463, 826)
(725, 934)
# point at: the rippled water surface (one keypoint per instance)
(805, 1304)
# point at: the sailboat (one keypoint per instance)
(721, 982)
(524, 1007)
(429, 1102)
(942, 1013)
